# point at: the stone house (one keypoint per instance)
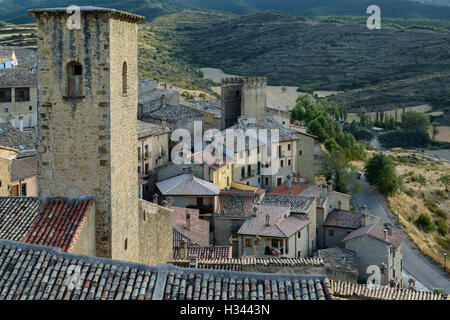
(18, 97)
(306, 144)
(19, 176)
(153, 151)
(274, 231)
(152, 97)
(176, 117)
(377, 245)
(188, 191)
(340, 223)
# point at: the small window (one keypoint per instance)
(124, 78)
(30, 108)
(267, 181)
(5, 110)
(300, 152)
(74, 79)
(282, 163)
(279, 181)
(248, 242)
(289, 163)
(299, 235)
(126, 244)
(147, 168)
(23, 190)
(139, 153)
(22, 94)
(139, 169)
(289, 147)
(5, 95)
(331, 232)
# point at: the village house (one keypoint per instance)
(153, 151)
(18, 97)
(188, 191)
(339, 223)
(18, 174)
(274, 231)
(375, 244)
(152, 96)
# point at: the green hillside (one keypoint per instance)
(15, 11)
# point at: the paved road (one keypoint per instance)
(413, 263)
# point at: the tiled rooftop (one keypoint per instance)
(237, 264)
(280, 225)
(17, 215)
(10, 137)
(268, 123)
(298, 204)
(353, 290)
(16, 77)
(23, 168)
(339, 259)
(59, 223)
(236, 203)
(198, 233)
(376, 230)
(30, 272)
(303, 189)
(182, 185)
(343, 219)
(221, 252)
(173, 113)
(149, 129)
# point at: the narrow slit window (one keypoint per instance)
(124, 78)
(75, 79)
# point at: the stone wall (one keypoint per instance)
(336, 239)
(254, 97)
(5, 177)
(155, 233)
(85, 243)
(21, 108)
(305, 157)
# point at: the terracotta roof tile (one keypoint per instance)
(222, 252)
(59, 223)
(343, 219)
(376, 231)
(17, 215)
(198, 233)
(22, 168)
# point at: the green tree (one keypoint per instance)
(380, 172)
(362, 114)
(413, 120)
(435, 126)
(330, 144)
(283, 89)
(336, 167)
(445, 180)
(421, 180)
(424, 222)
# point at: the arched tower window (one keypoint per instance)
(124, 78)
(74, 79)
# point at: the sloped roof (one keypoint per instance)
(216, 252)
(343, 219)
(298, 204)
(376, 231)
(280, 225)
(146, 129)
(59, 223)
(268, 123)
(236, 264)
(353, 290)
(182, 185)
(42, 273)
(303, 189)
(17, 215)
(10, 137)
(23, 168)
(173, 113)
(198, 233)
(17, 77)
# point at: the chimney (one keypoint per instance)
(340, 205)
(21, 123)
(412, 283)
(188, 220)
(324, 190)
(255, 210)
(163, 123)
(393, 283)
(385, 234)
(388, 227)
(289, 182)
(364, 217)
(169, 202)
(191, 173)
(163, 100)
(267, 221)
(330, 185)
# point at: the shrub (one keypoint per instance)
(424, 222)
(442, 227)
(402, 138)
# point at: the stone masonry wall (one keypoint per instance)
(155, 233)
(5, 177)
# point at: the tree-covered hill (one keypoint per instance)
(15, 11)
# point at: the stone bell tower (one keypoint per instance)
(88, 82)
